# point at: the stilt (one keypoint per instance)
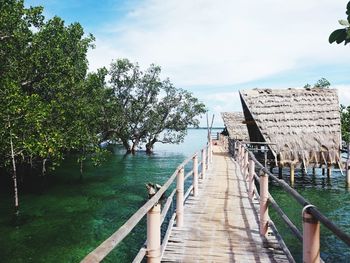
(314, 171)
(280, 172)
(329, 171)
(323, 171)
(292, 171)
(302, 170)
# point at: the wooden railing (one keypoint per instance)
(154, 248)
(311, 216)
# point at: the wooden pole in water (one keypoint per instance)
(311, 237)
(280, 172)
(153, 234)
(203, 163)
(180, 198)
(329, 170)
(195, 175)
(292, 172)
(264, 210)
(314, 171)
(251, 179)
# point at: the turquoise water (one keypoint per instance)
(70, 218)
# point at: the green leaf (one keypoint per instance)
(337, 36)
(343, 22)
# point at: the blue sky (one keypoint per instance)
(215, 48)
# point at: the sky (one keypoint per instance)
(216, 48)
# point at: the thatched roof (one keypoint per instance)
(303, 124)
(234, 123)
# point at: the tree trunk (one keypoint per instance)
(126, 146)
(134, 146)
(81, 170)
(149, 146)
(43, 171)
(14, 178)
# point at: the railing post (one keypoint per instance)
(153, 234)
(204, 166)
(251, 179)
(348, 167)
(239, 155)
(207, 156)
(180, 198)
(348, 173)
(311, 237)
(246, 163)
(195, 175)
(264, 210)
(211, 151)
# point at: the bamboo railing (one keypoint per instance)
(154, 247)
(311, 216)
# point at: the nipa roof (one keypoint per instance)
(234, 123)
(303, 124)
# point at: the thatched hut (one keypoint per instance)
(299, 125)
(235, 125)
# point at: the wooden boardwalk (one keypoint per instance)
(221, 223)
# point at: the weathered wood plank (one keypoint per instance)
(221, 224)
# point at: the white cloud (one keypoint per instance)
(223, 42)
(343, 93)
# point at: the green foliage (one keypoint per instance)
(152, 110)
(44, 97)
(345, 122)
(321, 83)
(343, 34)
(50, 106)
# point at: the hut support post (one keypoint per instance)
(203, 163)
(264, 196)
(153, 234)
(292, 172)
(280, 172)
(251, 178)
(311, 238)
(329, 170)
(180, 198)
(195, 175)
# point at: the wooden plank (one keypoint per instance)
(221, 224)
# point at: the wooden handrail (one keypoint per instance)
(301, 200)
(99, 253)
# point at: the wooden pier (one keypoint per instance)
(221, 216)
(221, 224)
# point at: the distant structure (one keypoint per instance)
(300, 126)
(235, 125)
